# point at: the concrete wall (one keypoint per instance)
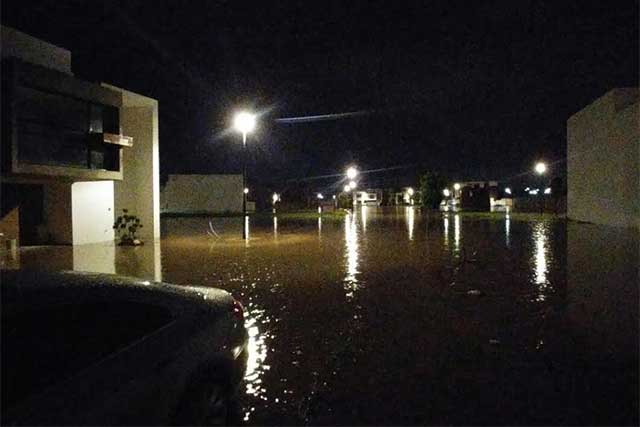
(202, 194)
(92, 212)
(139, 190)
(603, 160)
(35, 51)
(58, 213)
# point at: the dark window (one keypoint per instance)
(51, 128)
(42, 347)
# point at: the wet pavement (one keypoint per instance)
(401, 317)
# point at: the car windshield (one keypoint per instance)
(42, 347)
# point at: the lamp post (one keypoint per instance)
(410, 193)
(244, 123)
(351, 174)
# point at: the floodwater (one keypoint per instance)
(407, 318)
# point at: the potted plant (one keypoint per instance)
(126, 227)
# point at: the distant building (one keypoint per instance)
(371, 196)
(74, 153)
(603, 160)
(406, 196)
(472, 196)
(201, 194)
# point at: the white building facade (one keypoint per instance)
(202, 194)
(603, 160)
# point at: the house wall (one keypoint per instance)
(139, 190)
(58, 213)
(92, 212)
(202, 194)
(603, 160)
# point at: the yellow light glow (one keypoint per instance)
(244, 122)
(351, 249)
(540, 168)
(352, 172)
(456, 186)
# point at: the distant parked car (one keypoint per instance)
(97, 349)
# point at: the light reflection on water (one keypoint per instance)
(351, 254)
(256, 322)
(410, 217)
(507, 229)
(246, 230)
(445, 234)
(541, 268)
(363, 218)
(456, 233)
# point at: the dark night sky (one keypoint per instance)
(477, 89)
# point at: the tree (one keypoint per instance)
(431, 186)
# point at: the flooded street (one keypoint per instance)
(402, 317)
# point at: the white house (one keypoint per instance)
(75, 153)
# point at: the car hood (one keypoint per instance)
(30, 288)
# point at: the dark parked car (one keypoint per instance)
(97, 349)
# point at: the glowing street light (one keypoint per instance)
(352, 172)
(320, 196)
(410, 191)
(347, 188)
(275, 198)
(244, 122)
(547, 190)
(456, 186)
(446, 192)
(507, 190)
(352, 185)
(540, 168)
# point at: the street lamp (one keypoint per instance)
(352, 172)
(244, 122)
(456, 186)
(540, 168)
(410, 193)
(446, 192)
(347, 188)
(507, 190)
(353, 185)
